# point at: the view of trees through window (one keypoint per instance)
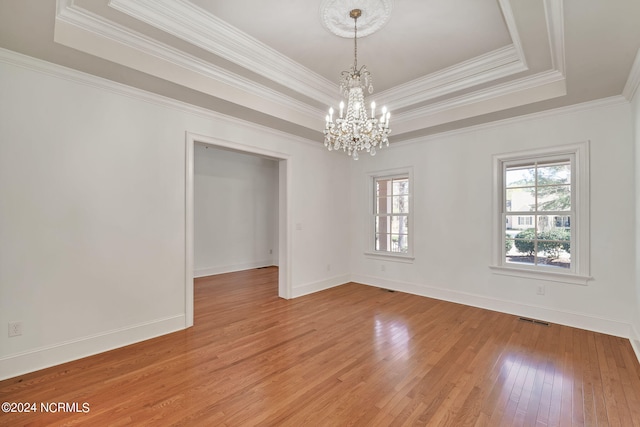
(392, 214)
(538, 213)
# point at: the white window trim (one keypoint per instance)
(580, 257)
(371, 223)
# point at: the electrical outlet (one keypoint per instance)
(540, 290)
(270, 251)
(382, 267)
(15, 329)
(328, 267)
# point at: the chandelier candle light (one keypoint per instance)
(353, 131)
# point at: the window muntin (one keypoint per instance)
(391, 211)
(537, 212)
(559, 202)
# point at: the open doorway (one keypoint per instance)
(277, 167)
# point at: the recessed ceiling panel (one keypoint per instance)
(421, 37)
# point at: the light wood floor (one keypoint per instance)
(353, 355)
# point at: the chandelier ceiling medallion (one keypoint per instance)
(352, 130)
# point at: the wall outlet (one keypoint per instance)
(328, 267)
(15, 329)
(382, 267)
(270, 251)
(540, 290)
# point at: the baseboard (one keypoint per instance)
(45, 357)
(635, 341)
(576, 320)
(212, 271)
(321, 285)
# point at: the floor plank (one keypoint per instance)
(352, 355)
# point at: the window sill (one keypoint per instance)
(390, 256)
(574, 279)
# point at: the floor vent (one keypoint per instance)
(387, 290)
(538, 322)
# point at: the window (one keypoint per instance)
(391, 214)
(523, 220)
(542, 208)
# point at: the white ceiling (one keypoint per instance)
(437, 64)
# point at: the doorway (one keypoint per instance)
(283, 220)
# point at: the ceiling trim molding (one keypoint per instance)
(554, 13)
(494, 65)
(633, 81)
(508, 88)
(510, 20)
(203, 29)
(539, 87)
(58, 71)
(72, 15)
(189, 22)
(570, 109)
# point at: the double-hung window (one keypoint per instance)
(391, 214)
(541, 209)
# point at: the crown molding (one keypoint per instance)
(510, 21)
(64, 73)
(633, 81)
(554, 13)
(185, 66)
(203, 29)
(501, 95)
(570, 109)
(494, 65)
(189, 22)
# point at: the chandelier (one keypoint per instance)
(353, 131)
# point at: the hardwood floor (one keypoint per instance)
(352, 355)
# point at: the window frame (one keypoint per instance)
(578, 154)
(372, 177)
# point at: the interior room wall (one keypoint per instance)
(235, 211)
(452, 230)
(92, 211)
(635, 107)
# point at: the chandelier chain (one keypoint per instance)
(355, 43)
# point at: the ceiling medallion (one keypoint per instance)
(334, 15)
(353, 131)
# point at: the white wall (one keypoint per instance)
(635, 106)
(453, 217)
(92, 211)
(92, 214)
(235, 211)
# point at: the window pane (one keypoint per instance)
(554, 174)
(401, 204)
(400, 186)
(554, 198)
(383, 187)
(514, 224)
(554, 240)
(523, 251)
(520, 176)
(383, 224)
(520, 200)
(399, 243)
(509, 246)
(399, 224)
(383, 205)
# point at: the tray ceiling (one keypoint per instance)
(437, 65)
